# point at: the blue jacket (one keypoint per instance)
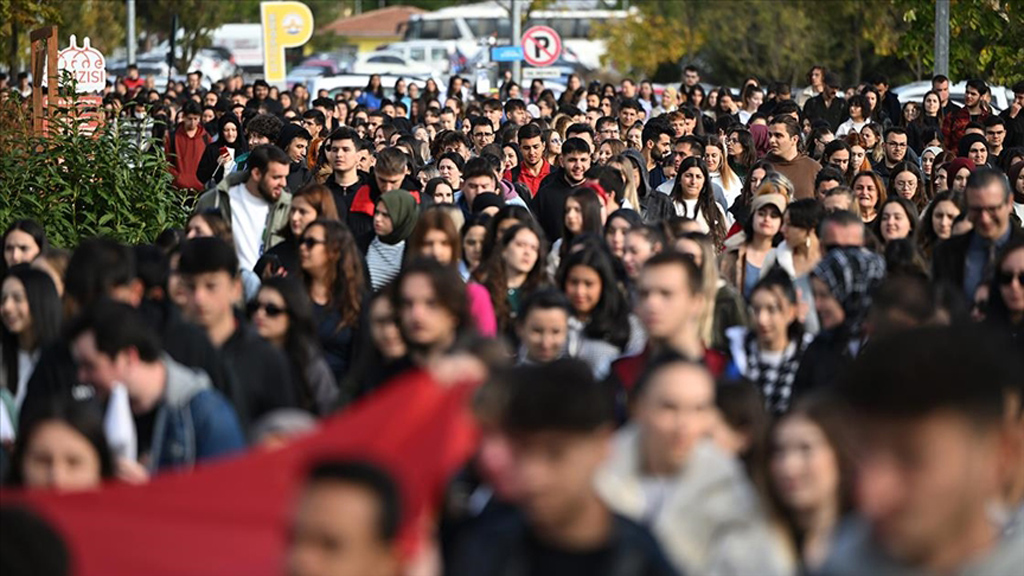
(194, 422)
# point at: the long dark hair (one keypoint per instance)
(346, 278)
(705, 201)
(777, 281)
(999, 313)
(301, 342)
(746, 140)
(823, 412)
(609, 320)
(45, 309)
(84, 418)
(30, 227)
(590, 209)
(920, 198)
(492, 272)
(510, 211)
(927, 239)
(835, 146)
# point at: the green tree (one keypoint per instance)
(17, 19)
(78, 182)
(103, 21)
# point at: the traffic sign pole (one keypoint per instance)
(517, 29)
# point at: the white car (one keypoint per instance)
(386, 62)
(1002, 97)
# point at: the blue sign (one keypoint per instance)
(507, 54)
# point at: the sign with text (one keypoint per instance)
(541, 73)
(85, 63)
(542, 46)
(285, 25)
(507, 54)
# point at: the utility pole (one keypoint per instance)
(132, 40)
(942, 37)
(517, 36)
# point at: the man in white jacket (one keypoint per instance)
(666, 474)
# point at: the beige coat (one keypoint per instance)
(711, 523)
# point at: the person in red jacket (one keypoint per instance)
(185, 146)
(975, 110)
(669, 303)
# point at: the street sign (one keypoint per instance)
(541, 73)
(507, 54)
(542, 46)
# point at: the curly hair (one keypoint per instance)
(345, 277)
(493, 275)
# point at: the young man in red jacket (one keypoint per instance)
(185, 146)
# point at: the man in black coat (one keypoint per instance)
(964, 260)
(549, 203)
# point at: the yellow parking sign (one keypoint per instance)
(285, 25)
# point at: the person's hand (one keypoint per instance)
(455, 369)
(131, 471)
(1014, 109)
(224, 158)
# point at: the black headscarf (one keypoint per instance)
(240, 144)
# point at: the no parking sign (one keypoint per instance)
(542, 46)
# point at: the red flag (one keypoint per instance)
(230, 517)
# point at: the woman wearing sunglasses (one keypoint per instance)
(283, 315)
(332, 268)
(1006, 295)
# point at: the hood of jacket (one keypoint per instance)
(641, 164)
(183, 383)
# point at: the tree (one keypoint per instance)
(103, 21)
(660, 32)
(17, 19)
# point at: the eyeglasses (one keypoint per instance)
(1006, 278)
(990, 210)
(271, 310)
(896, 144)
(311, 243)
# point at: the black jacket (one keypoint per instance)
(549, 204)
(286, 254)
(950, 255)
(507, 547)
(835, 114)
(298, 176)
(824, 361)
(260, 373)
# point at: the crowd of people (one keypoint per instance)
(779, 333)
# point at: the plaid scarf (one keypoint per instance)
(851, 274)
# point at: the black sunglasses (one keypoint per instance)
(272, 310)
(1006, 278)
(311, 243)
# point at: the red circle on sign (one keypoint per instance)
(542, 46)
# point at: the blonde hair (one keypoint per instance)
(776, 183)
(625, 166)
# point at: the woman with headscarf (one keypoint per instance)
(957, 173)
(842, 284)
(393, 222)
(974, 147)
(761, 144)
(219, 156)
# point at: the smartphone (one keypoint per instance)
(223, 150)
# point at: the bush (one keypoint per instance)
(78, 183)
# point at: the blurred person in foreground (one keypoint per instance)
(559, 422)
(934, 451)
(667, 474)
(346, 523)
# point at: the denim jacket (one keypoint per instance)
(194, 422)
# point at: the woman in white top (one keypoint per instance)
(720, 171)
(31, 314)
(860, 115)
(752, 99)
(693, 197)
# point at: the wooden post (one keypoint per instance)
(44, 62)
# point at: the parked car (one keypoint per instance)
(1002, 97)
(387, 62)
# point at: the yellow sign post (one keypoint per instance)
(285, 25)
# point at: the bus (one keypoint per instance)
(466, 28)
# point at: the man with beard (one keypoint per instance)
(657, 141)
(255, 202)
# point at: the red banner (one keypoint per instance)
(231, 517)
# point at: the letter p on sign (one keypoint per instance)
(285, 25)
